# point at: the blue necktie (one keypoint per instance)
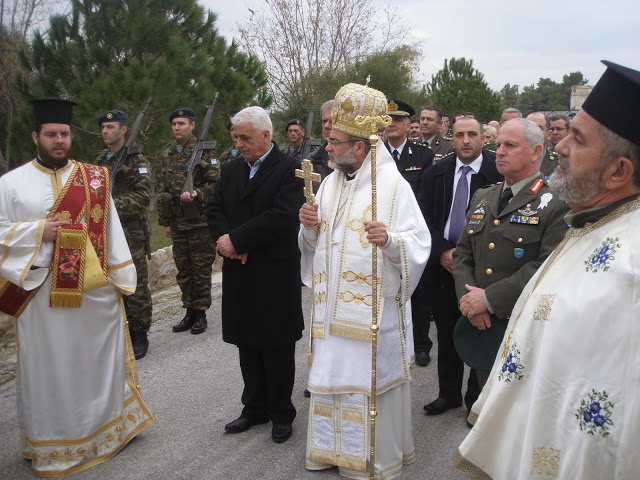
(459, 207)
(395, 155)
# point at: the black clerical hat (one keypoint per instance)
(184, 112)
(113, 116)
(52, 110)
(614, 99)
(398, 108)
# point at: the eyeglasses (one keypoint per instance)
(55, 136)
(557, 129)
(334, 142)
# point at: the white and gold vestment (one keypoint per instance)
(78, 398)
(336, 264)
(563, 397)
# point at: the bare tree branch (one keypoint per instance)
(293, 38)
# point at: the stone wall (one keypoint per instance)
(162, 269)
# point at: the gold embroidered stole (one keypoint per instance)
(348, 308)
(80, 251)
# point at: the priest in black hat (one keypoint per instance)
(562, 398)
(64, 267)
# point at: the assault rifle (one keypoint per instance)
(308, 143)
(129, 148)
(199, 147)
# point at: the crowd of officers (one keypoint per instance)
(432, 154)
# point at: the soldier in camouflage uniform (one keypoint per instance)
(181, 213)
(231, 152)
(295, 132)
(131, 195)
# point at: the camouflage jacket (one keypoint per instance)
(171, 211)
(228, 155)
(292, 151)
(131, 189)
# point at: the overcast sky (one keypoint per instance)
(510, 41)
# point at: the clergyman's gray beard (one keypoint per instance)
(575, 190)
(345, 162)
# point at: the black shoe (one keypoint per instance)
(140, 344)
(281, 432)
(242, 424)
(440, 405)
(307, 393)
(423, 359)
(201, 322)
(187, 322)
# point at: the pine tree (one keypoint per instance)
(460, 88)
(114, 54)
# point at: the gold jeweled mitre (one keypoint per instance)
(353, 104)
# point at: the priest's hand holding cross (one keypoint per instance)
(307, 174)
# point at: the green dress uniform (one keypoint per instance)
(193, 251)
(549, 162)
(440, 146)
(500, 251)
(131, 192)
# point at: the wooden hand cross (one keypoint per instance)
(307, 174)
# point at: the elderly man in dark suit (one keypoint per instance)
(412, 159)
(253, 218)
(446, 190)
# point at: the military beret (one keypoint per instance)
(52, 110)
(184, 112)
(113, 116)
(611, 100)
(398, 108)
(294, 121)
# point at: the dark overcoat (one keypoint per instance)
(261, 300)
(414, 159)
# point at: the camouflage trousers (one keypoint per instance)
(138, 306)
(194, 253)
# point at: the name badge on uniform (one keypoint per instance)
(518, 252)
(142, 170)
(214, 161)
(179, 148)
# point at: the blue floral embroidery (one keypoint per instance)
(511, 368)
(594, 414)
(601, 257)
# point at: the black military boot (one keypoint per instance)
(187, 322)
(201, 322)
(140, 344)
